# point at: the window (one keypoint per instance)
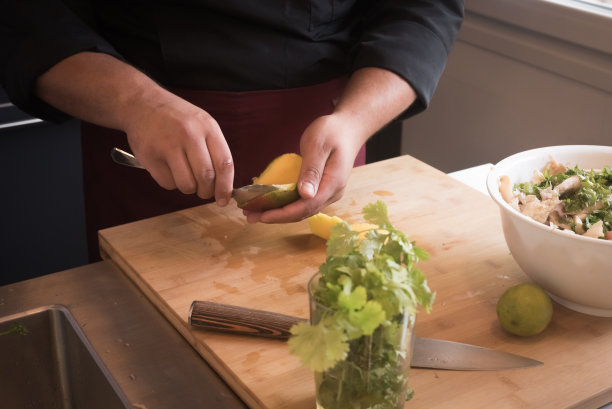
(583, 23)
(607, 4)
(601, 7)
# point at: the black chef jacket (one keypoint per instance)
(230, 45)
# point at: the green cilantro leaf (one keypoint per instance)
(16, 328)
(376, 213)
(368, 318)
(319, 346)
(354, 300)
(342, 240)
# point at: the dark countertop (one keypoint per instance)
(150, 361)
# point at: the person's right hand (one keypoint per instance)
(181, 146)
(178, 143)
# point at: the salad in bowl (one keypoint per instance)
(555, 210)
(574, 199)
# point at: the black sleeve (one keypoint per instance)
(412, 39)
(35, 35)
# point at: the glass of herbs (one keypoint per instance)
(374, 373)
(363, 303)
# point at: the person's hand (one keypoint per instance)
(178, 143)
(372, 98)
(328, 146)
(181, 146)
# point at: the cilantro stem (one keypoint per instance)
(369, 362)
(342, 378)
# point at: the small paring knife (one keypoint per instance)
(427, 353)
(241, 194)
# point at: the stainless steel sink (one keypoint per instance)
(47, 362)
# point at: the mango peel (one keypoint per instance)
(283, 173)
(283, 195)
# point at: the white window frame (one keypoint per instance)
(565, 37)
(569, 20)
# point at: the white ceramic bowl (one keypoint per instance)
(576, 271)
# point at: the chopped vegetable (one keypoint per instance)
(574, 199)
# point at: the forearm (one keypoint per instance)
(97, 88)
(410, 38)
(179, 144)
(373, 98)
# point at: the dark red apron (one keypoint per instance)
(258, 127)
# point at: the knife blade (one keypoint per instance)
(241, 194)
(427, 352)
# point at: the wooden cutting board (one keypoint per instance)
(211, 253)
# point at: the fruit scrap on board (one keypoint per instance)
(321, 225)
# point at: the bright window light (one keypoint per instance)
(601, 7)
(601, 3)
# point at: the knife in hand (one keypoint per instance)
(241, 194)
(427, 353)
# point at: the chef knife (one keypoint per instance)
(427, 353)
(241, 195)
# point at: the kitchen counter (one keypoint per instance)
(475, 177)
(153, 365)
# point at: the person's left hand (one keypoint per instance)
(371, 99)
(328, 146)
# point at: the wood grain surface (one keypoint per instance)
(211, 253)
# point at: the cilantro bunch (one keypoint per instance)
(364, 292)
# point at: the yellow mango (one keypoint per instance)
(363, 226)
(282, 170)
(321, 224)
(363, 229)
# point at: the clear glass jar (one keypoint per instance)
(374, 374)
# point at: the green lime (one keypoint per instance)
(524, 309)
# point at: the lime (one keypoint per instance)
(524, 309)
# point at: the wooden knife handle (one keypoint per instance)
(241, 320)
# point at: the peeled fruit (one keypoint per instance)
(524, 309)
(283, 173)
(282, 170)
(363, 229)
(321, 224)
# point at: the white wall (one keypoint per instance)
(523, 74)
